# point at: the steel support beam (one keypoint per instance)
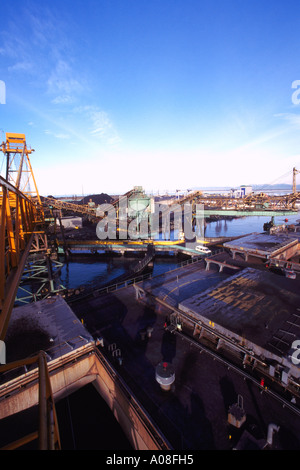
(11, 291)
(48, 432)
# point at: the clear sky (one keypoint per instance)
(164, 94)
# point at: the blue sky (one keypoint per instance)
(164, 94)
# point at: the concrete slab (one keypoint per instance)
(262, 244)
(48, 325)
(183, 282)
(253, 306)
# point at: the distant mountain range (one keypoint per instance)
(105, 198)
(255, 187)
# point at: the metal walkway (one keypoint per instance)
(69, 372)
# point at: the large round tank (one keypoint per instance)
(138, 201)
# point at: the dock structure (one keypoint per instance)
(218, 323)
(220, 332)
(257, 314)
(128, 246)
(198, 358)
(220, 264)
(265, 246)
(151, 323)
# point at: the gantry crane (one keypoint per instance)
(18, 167)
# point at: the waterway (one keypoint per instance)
(244, 225)
(98, 271)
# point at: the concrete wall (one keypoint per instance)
(140, 434)
(288, 253)
(23, 393)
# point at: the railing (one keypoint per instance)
(48, 433)
(58, 357)
(135, 280)
(144, 416)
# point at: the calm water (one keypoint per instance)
(85, 271)
(244, 225)
(97, 272)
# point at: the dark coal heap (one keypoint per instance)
(97, 199)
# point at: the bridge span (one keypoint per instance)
(131, 246)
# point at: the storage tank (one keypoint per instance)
(165, 375)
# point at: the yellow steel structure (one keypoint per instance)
(20, 214)
(18, 167)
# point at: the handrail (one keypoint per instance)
(48, 433)
(157, 436)
(48, 427)
(141, 278)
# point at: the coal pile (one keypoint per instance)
(97, 199)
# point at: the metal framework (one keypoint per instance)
(53, 203)
(48, 431)
(250, 202)
(40, 278)
(18, 167)
(253, 201)
(20, 214)
(85, 209)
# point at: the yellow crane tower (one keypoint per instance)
(18, 167)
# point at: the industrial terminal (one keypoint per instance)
(125, 309)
